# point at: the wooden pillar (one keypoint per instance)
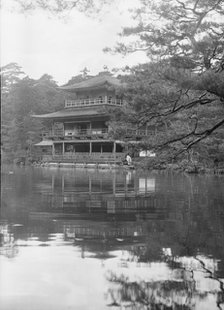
(62, 183)
(114, 151)
(90, 185)
(53, 149)
(52, 182)
(63, 148)
(125, 185)
(106, 99)
(62, 190)
(90, 147)
(114, 148)
(135, 186)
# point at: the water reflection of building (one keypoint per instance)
(100, 240)
(99, 210)
(6, 238)
(101, 194)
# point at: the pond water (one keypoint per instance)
(88, 239)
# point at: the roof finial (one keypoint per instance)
(105, 71)
(84, 72)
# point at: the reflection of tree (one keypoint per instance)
(9, 251)
(186, 244)
(200, 232)
(7, 244)
(183, 291)
(220, 295)
(169, 294)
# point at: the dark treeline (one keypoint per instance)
(22, 97)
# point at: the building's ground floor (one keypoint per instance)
(82, 151)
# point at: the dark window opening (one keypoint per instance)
(107, 147)
(81, 147)
(83, 126)
(58, 148)
(69, 126)
(99, 124)
(119, 148)
(46, 150)
(96, 147)
(69, 147)
(102, 147)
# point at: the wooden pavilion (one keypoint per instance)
(80, 132)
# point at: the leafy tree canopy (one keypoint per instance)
(175, 119)
(59, 7)
(10, 75)
(185, 42)
(190, 32)
(21, 98)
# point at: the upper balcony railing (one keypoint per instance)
(75, 133)
(94, 132)
(93, 101)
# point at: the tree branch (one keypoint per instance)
(176, 109)
(201, 136)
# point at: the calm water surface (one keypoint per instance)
(85, 239)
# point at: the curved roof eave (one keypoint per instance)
(66, 113)
(95, 82)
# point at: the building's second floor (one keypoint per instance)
(75, 129)
(90, 129)
(87, 112)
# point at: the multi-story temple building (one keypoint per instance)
(80, 132)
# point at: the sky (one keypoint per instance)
(41, 43)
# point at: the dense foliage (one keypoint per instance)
(22, 97)
(176, 119)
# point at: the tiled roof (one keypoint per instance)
(77, 112)
(44, 143)
(95, 82)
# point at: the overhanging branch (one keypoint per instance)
(200, 136)
(201, 100)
